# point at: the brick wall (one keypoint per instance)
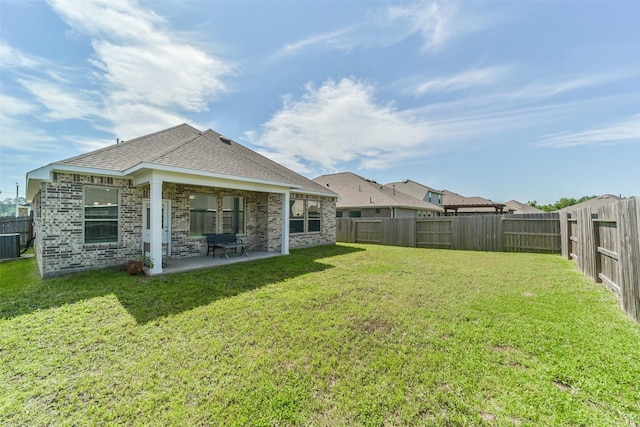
(59, 223)
(327, 234)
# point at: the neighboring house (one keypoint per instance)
(605, 199)
(419, 191)
(515, 207)
(166, 190)
(455, 204)
(364, 198)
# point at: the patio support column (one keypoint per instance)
(155, 228)
(285, 224)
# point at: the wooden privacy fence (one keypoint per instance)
(605, 243)
(496, 233)
(22, 225)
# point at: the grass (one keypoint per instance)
(344, 335)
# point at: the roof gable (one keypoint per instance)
(521, 208)
(187, 149)
(414, 189)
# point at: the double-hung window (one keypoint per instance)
(304, 216)
(296, 216)
(313, 217)
(101, 215)
(203, 214)
(233, 215)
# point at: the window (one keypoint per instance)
(296, 216)
(338, 214)
(313, 217)
(304, 216)
(203, 214)
(233, 215)
(355, 214)
(100, 215)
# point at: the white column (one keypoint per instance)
(155, 228)
(285, 224)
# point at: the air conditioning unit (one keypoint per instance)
(9, 246)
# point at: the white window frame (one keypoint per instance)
(86, 220)
(217, 213)
(304, 219)
(244, 215)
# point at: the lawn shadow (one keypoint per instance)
(150, 298)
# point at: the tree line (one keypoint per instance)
(562, 203)
(8, 206)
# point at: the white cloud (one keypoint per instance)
(559, 86)
(13, 133)
(463, 80)
(136, 119)
(12, 106)
(140, 66)
(62, 103)
(121, 19)
(337, 123)
(620, 132)
(11, 57)
(433, 21)
(331, 38)
(438, 24)
(166, 74)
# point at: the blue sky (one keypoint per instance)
(505, 100)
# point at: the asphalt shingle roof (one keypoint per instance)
(356, 191)
(186, 147)
(521, 208)
(414, 189)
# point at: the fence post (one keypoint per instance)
(586, 243)
(565, 235)
(628, 218)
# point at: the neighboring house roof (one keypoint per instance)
(521, 208)
(184, 149)
(605, 199)
(358, 192)
(414, 189)
(475, 204)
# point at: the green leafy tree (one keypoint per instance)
(8, 206)
(562, 203)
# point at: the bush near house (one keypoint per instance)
(334, 335)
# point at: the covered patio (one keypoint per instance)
(182, 265)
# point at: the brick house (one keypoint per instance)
(163, 191)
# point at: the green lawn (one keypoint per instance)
(339, 335)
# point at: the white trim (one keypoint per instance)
(84, 217)
(142, 172)
(284, 246)
(176, 170)
(155, 233)
(43, 173)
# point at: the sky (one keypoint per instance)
(500, 99)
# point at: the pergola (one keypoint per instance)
(497, 206)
